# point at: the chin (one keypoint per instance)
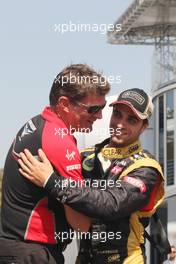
(119, 142)
(89, 129)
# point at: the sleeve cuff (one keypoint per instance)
(52, 182)
(46, 181)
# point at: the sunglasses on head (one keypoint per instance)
(91, 109)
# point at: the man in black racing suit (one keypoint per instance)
(133, 191)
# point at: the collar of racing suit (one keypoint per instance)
(119, 153)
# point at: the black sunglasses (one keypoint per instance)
(91, 109)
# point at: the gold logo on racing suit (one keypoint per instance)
(113, 258)
(119, 153)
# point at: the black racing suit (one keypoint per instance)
(120, 211)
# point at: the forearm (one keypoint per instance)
(111, 203)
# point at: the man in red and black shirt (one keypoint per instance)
(29, 220)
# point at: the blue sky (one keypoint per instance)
(32, 53)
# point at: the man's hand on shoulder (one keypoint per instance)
(35, 170)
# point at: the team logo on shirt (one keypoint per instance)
(70, 155)
(73, 167)
(28, 129)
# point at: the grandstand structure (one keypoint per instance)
(151, 22)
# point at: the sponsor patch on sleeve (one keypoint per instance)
(136, 182)
(73, 167)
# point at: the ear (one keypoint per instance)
(63, 104)
(144, 126)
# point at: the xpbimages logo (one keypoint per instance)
(101, 236)
(101, 184)
(101, 80)
(102, 131)
(86, 27)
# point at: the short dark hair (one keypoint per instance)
(76, 82)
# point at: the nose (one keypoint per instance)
(120, 123)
